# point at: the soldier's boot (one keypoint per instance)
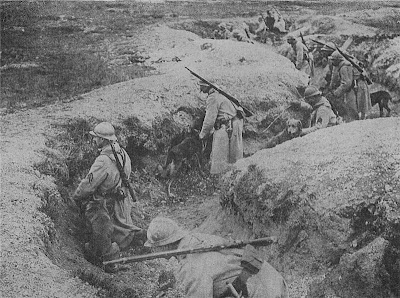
(112, 255)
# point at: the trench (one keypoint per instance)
(68, 157)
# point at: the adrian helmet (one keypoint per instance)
(336, 56)
(104, 130)
(328, 47)
(163, 231)
(311, 91)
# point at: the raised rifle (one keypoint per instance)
(309, 55)
(358, 67)
(124, 177)
(172, 253)
(246, 111)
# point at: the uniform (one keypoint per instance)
(321, 116)
(348, 86)
(227, 146)
(300, 57)
(108, 216)
(205, 275)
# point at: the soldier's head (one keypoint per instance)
(312, 95)
(328, 49)
(336, 58)
(164, 234)
(103, 133)
(291, 39)
(204, 87)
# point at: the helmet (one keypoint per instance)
(336, 56)
(104, 130)
(222, 25)
(201, 83)
(311, 91)
(328, 47)
(163, 231)
(290, 38)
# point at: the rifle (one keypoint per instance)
(172, 253)
(333, 49)
(309, 58)
(123, 176)
(358, 67)
(247, 112)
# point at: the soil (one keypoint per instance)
(42, 237)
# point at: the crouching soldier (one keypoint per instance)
(319, 108)
(224, 273)
(107, 205)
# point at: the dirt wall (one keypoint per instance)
(309, 192)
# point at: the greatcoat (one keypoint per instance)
(204, 275)
(350, 88)
(227, 145)
(110, 219)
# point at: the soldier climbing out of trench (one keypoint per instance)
(228, 273)
(106, 202)
(298, 53)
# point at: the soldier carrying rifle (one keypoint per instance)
(225, 273)
(105, 199)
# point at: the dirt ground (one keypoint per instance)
(41, 237)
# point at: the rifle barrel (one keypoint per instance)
(247, 112)
(166, 254)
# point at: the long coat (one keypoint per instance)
(109, 223)
(348, 86)
(298, 54)
(321, 114)
(204, 275)
(227, 146)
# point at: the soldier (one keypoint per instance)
(349, 88)
(321, 114)
(217, 273)
(106, 202)
(223, 119)
(298, 55)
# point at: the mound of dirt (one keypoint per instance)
(314, 193)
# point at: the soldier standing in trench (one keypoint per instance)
(223, 121)
(107, 204)
(216, 273)
(299, 55)
(348, 87)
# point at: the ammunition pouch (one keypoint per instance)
(251, 262)
(218, 124)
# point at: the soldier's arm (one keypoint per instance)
(93, 179)
(346, 81)
(300, 55)
(209, 119)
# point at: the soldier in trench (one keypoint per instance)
(348, 88)
(106, 203)
(213, 274)
(299, 55)
(223, 121)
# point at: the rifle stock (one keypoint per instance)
(167, 254)
(246, 111)
(123, 176)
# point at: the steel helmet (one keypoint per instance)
(104, 130)
(311, 91)
(329, 47)
(163, 231)
(290, 38)
(336, 56)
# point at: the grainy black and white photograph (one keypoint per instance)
(200, 149)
